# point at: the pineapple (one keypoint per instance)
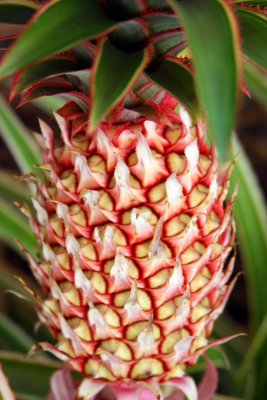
(132, 212)
(136, 235)
(136, 240)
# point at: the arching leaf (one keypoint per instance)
(17, 11)
(251, 217)
(174, 76)
(28, 378)
(211, 31)
(253, 29)
(57, 27)
(17, 138)
(115, 72)
(256, 80)
(52, 67)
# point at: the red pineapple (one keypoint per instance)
(137, 238)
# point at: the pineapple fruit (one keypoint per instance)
(137, 240)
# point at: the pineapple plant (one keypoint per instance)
(136, 232)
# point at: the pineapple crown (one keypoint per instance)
(143, 34)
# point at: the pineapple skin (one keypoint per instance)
(137, 245)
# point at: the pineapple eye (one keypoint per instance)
(173, 135)
(193, 253)
(80, 140)
(97, 164)
(62, 257)
(71, 293)
(157, 193)
(198, 195)
(147, 368)
(132, 159)
(69, 180)
(77, 214)
(176, 162)
(98, 369)
(176, 225)
(170, 340)
(88, 249)
(81, 328)
(57, 225)
(135, 329)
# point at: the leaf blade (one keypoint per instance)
(14, 225)
(256, 80)
(54, 29)
(177, 78)
(250, 214)
(14, 336)
(21, 145)
(115, 72)
(12, 190)
(5, 390)
(28, 377)
(54, 66)
(211, 31)
(16, 12)
(253, 27)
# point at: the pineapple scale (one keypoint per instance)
(137, 238)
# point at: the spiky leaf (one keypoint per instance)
(174, 76)
(256, 80)
(22, 146)
(115, 73)
(212, 36)
(17, 11)
(28, 377)
(250, 213)
(55, 29)
(46, 69)
(253, 27)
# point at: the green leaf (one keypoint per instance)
(13, 337)
(115, 72)
(261, 3)
(17, 11)
(9, 282)
(160, 22)
(21, 311)
(253, 27)
(223, 397)
(123, 9)
(256, 80)
(212, 36)
(256, 351)
(14, 225)
(51, 87)
(215, 355)
(176, 78)
(12, 190)
(130, 36)
(251, 217)
(20, 143)
(169, 43)
(80, 80)
(57, 27)
(30, 379)
(157, 4)
(49, 103)
(234, 349)
(46, 69)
